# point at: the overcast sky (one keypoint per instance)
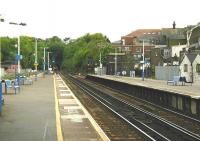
(113, 18)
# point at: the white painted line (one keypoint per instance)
(65, 95)
(67, 101)
(72, 107)
(64, 90)
(61, 86)
(72, 111)
(73, 116)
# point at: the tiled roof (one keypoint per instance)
(141, 32)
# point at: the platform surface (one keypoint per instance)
(46, 111)
(192, 91)
(30, 114)
(75, 120)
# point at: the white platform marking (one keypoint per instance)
(67, 101)
(65, 94)
(72, 116)
(64, 90)
(72, 107)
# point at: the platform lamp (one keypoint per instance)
(48, 61)
(143, 60)
(1, 99)
(18, 56)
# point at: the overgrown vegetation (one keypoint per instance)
(83, 54)
(79, 55)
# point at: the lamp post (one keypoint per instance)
(143, 60)
(36, 59)
(100, 64)
(48, 60)
(18, 61)
(18, 57)
(1, 20)
(115, 61)
(44, 60)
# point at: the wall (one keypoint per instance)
(188, 73)
(195, 73)
(166, 72)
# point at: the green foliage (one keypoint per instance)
(56, 47)
(177, 42)
(27, 50)
(75, 56)
(8, 50)
(84, 52)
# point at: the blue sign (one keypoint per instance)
(18, 57)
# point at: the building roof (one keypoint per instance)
(116, 42)
(191, 57)
(142, 32)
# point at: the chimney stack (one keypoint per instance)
(174, 25)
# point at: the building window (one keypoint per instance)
(198, 68)
(185, 68)
(123, 41)
(126, 48)
(138, 49)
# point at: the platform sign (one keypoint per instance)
(18, 57)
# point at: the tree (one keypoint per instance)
(84, 52)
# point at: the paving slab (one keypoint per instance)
(30, 114)
(77, 124)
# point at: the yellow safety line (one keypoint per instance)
(58, 125)
(98, 129)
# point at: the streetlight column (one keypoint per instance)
(48, 60)
(1, 20)
(18, 60)
(143, 60)
(100, 67)
(18, 57)
(36, 63)
(115, 61)
(44, 61)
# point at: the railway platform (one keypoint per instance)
(29, 115)
(182, 98)
(46, 111)
(77, 123)
(192, 91)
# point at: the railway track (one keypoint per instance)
(185, 121)
(150, 125)
(115, 128)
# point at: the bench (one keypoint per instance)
(25, 81)
(14, 85)
(28, 81)
(177, 79)
(174, 81)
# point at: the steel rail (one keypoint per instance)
(88, 91)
